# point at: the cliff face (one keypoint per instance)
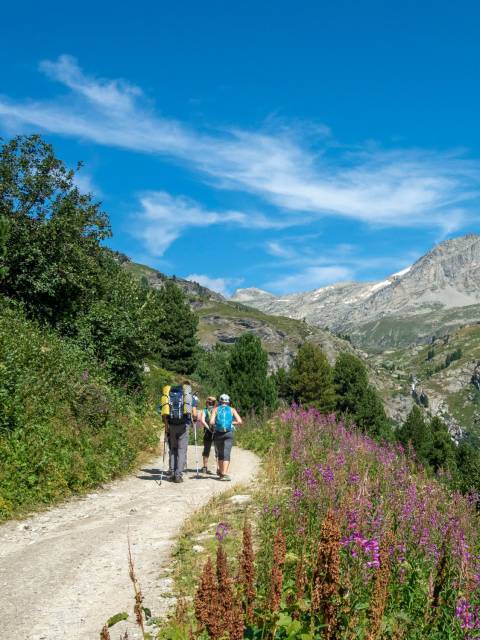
(224, 321)
(439, 287)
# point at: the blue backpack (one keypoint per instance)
(224, 418)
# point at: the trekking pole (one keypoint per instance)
(163, 457)
(196, 447)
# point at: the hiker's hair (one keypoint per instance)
(186, 382)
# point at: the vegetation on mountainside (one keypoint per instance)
(311, 379)
(401, 332)
(443, 371)
(242, 372)
(351, 540)
(77, 331)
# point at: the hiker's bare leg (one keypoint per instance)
(205, 461)
(223, 466)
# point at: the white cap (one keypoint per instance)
(224, 398)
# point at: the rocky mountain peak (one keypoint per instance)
(445, 278)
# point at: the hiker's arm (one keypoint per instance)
(213, 417)
(201, 419)
(237, 419)
(194, 414)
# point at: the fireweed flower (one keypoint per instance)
(222, 531)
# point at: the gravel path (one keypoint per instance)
(64, 572)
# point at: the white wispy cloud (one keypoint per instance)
(220, 285)
(85, 183)
(162, 218)
(404, 188)
(310, 278)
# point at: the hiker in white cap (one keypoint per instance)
(223, 420)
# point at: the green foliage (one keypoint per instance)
(416, 431)
(212, 368)
(311, 378)
(442, 454)
(430, 440)
(177, 330)
(356, 398)
(63, 429)
(120, 329)
(4, 234)
(248, 382)
(282, 382)
(257, 434)
(468, 464)
(454, 355)
(53, 253)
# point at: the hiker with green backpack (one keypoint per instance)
(223, 420)
(204, 419)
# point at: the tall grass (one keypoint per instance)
(355, 541)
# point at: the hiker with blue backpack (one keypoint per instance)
(223, 421)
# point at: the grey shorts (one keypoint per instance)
(223, 444)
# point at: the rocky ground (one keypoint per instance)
(64, 572)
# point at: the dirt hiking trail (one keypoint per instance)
(64, 572)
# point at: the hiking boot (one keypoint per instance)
(178, 479)
(225, 478)
(207, 471)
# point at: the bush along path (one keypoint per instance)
(353, 541)
(63, 572)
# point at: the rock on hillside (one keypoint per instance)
(445, 279)
(225, 321)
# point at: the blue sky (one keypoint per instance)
(280, 145)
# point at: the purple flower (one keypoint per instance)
(85, 375)
(222, 531)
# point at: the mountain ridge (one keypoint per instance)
(446, 277)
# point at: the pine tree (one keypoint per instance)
(311, 378)
(351, 380)
(249, 384)
(442, 450)
(177, 330)
(282, 382)
(356, 399)
(416, 431)
(468, 464)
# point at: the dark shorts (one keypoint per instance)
(223, 444)
(207, 442)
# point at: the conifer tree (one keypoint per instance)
(177, 330)
(442, 450)
(416, 431)
(248, 382)
(282, 382)
(468, 464)
(351, 380)
(356, 399)
(311, 378)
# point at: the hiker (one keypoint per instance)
(204, 419)
(224, 418)
(179, 409)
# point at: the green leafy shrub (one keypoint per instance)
(63, 429)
